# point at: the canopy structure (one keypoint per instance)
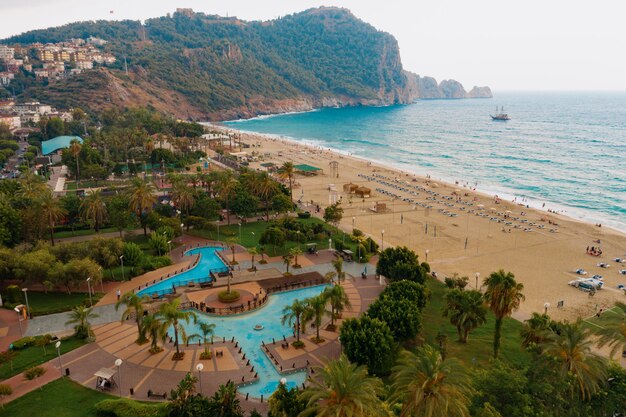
(363, 192)
(268, 164)
(105, 373)
(307, 169)
(60, 142)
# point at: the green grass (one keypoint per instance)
(251, 233)
(85, 232)
(34, 355)
(596, 323)
(60, 398)
(71, 186)
(479, 349)
(56, 302)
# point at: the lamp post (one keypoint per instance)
(89, 290)
(283, 381)
(58, 346)
(169, 243)
(19, 320)
(546, 306)
(118, 363)
(239, 224)
(477, 276)
(382, 240)
(25, 291)
(427, 252)
(199, 368)
(353, 219)
(218, 229)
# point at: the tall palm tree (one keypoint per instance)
(466, 310)
(536, 331)
(295, 252)
(287, 170)
(52, 211)
(31, 186)
(265, 188)
(141, 200)
(287, 261)
(152, 327)
(315, 311)
(171, 316)
(226, 186)
(93, 209)
(426, 385)
(504, 295)
(571, 349)
(343, 389)
(613, 332)
(253, 251)
(80, 316)
(339, 272)
(206, 329)
(292, 314)
(134, 304)
(184, 198)
(75, 148)
(338, 300)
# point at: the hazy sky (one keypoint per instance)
(508, 45)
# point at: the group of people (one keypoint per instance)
(594, 251)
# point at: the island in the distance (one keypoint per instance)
(205, 67)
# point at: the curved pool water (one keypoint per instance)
(242, 328)
(209, 261)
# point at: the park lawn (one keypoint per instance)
(82, 232)
(251, 233)
(478, 351)
(34, 355)
(57, 302)
(71, 185)
(60, 398)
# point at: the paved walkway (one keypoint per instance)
(10, 328)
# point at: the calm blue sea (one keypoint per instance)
(567, 150)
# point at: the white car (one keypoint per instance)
(581, 271)
(603, 265)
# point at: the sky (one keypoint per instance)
(533, 45)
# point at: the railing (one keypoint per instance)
(236, 309)
(295, 285)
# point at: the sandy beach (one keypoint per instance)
(460, 230)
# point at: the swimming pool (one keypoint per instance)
(209, 261)
(242, 328)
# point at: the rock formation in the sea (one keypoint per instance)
(202, 66)
(480, 92)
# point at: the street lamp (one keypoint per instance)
(169, 243)
(353, 219)
(25, 291)
(239, 224)
(58, 346)
(89, 290)
(19, 320)
(427, 252)
(477, 276)
(118, 363)
(122, 261)
(218, 229)
(382, 240)
(199, 368)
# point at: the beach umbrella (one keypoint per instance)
(481, 206)
(508, 212)
(493, 209)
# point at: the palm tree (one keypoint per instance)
(613, 332)
(141, 200)
(207, 329)
(253, 251)
(52, 211)
(134, 304)
(80, 316)
(287, 260)
(171, 316)
(152, 326)
(426, 385)
(75, 148)
(343, 389)
(315, 311)
(232, 243)
(295, 252)
(536, 331)
(287, 171)
(226, 186)
(184, 198)
(264, 187)
(94, 209)
(339, 273)
(338, 300)
(503, 296)
(466, 310)
(294, 312)
(571, 349)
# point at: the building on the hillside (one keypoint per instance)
(7, 105)
(185, 11)
(84, 65)
(29, 117)
(41, 74)
(6, 53)
(5, 78)
(45, 54)
(96, 41)
(33, 106)
(12, 120)
(66, 116)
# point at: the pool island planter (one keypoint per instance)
(229, 297)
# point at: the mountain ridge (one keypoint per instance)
(216, 68)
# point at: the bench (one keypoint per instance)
(152, 394)
(206, 284)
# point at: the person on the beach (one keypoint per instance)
(119, 294)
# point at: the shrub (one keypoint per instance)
(228, 297)
(339, 245)
(130, 408)
(304, 215)
(13, 294)
(23, 343)
(357, 233)
(34, 372)
(298, 344)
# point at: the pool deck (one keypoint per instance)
(143, 371)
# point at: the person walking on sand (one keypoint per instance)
(119, 294)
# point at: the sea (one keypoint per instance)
(562, 151)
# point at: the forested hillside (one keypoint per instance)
(201, 66)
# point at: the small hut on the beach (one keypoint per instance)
(350, 188)
(363, 192)
(379, 207)
(308, 170)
